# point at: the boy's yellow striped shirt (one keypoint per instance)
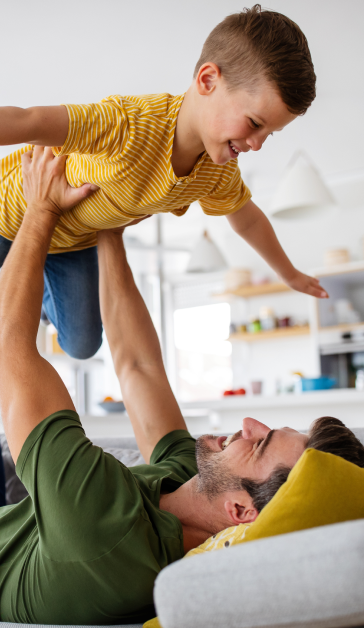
(123, 145)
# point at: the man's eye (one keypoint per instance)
(259, 442)
(255, 125)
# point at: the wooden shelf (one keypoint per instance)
(342, 327)
(280, 332)
(256, 290)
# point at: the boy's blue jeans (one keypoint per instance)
(71, 298)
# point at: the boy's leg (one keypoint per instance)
(4, 249)
(71, 300)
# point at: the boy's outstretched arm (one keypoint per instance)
(42, 126)
(254, 227)
(148, 397)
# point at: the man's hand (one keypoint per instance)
(304, 283)
(45, 185)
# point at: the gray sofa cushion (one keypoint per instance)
(15, 491)
(312, 578)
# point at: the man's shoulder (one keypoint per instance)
(174, 444)
(172, 462)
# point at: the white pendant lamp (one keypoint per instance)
(301, 192)
(206, 257)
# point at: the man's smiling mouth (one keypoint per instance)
(224, 441)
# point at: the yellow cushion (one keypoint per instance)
(225, 538)
(321, 489)
(152, 623)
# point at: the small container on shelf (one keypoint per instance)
(334, 257)
(256, 387)
(306, 384)
(285, 321)
(254, 326)
(267, 318)
(237, 278)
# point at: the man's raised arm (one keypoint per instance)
(148, 397)
(30, 388)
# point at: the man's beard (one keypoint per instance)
(214, 477)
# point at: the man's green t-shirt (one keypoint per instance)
(87, 544)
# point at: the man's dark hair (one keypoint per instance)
(333, 437)
(261, 44)
(262, 492)
(326, 434)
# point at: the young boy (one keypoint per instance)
(159, 153)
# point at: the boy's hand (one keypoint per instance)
(45, 185)
(304, 283)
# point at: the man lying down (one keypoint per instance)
(87, 544)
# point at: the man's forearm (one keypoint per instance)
(129, 327)
(21, 279)
(149, 400)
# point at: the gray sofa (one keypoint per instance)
(313, 578)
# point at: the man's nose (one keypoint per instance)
(253, 429)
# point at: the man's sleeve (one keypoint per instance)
(96, 129)
(229, 194)
(176, 452)
(85, 501)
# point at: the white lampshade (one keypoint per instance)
(206, 257)
(301, 192)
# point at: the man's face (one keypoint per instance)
(238, 121)
(253, 452)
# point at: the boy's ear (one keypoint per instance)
(241, 509)
(207, 77)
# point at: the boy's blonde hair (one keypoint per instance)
(256, 44)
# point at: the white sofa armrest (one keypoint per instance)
(312, 578)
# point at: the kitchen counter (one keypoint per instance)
(225, 415)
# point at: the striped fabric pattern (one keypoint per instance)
(123, 145)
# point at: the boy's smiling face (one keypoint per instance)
(231, 122)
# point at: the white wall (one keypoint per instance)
(83, 50)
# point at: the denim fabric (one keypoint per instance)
(71, 298)
(2, 481)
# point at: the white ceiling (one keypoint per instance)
(83, 50)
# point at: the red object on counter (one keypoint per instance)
(239, 391)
